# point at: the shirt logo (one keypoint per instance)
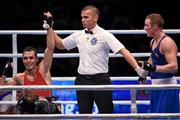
(93, 41)
(156, 55)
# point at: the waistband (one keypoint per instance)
(170, 80)
(93, 76)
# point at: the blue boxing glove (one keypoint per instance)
(148, 67)
(141, 80)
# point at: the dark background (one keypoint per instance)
(27, 14)
(115, 14)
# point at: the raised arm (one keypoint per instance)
(48, 54)
(45, 64)
(48, 23)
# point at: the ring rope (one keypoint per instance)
(112, 78)
(15, 32)
(96, 87)
(85, 116)
(73, 55)
(43, 32)
(87, 87)
(124, 102)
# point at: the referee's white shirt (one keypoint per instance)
(93, 49)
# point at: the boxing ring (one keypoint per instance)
(133, 88)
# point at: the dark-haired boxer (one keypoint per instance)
(35, 74)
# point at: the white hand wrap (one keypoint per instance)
(141, 72)
(45, 25)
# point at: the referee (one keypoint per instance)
(94, 44)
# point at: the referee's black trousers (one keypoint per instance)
(86, 99)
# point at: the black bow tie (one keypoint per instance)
(88, 32)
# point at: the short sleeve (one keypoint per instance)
(69, 42)
(114, 44)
